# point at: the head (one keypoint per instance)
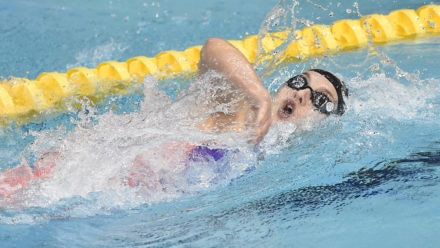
(314, 94)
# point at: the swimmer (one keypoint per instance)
(312, 95)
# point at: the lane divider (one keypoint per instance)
(21, 97)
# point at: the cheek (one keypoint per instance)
(306, 109)
(309, 112)
(282, 94)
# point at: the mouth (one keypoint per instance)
(287, 109)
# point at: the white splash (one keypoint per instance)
(384, 97)
(97, 156)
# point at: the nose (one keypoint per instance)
(303, 96)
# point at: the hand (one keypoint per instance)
(264, 119)
(260, 116)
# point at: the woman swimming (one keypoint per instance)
(310, 96)
(314, 94)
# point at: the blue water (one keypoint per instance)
(368, 179)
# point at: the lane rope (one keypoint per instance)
(22, 97)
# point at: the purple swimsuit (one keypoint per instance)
(205, 154)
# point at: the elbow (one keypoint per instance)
(214, 44)
(211, 51)
(213, 41)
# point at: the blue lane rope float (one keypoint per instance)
(22, 97)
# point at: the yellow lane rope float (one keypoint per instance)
(21, 97)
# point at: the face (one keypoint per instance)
(296, 105)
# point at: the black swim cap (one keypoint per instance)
(339, 85)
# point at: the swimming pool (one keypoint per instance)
(370, 178)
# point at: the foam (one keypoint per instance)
(387, 98)
(98, 152)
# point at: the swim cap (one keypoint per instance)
(339, 85)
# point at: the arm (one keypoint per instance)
(219, 55)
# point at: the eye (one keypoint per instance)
(297, 82)
(322, 102)
(319, 99)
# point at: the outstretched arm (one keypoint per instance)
(222, 57)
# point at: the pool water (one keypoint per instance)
(369, 178)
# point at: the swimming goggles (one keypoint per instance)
(320, 100)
